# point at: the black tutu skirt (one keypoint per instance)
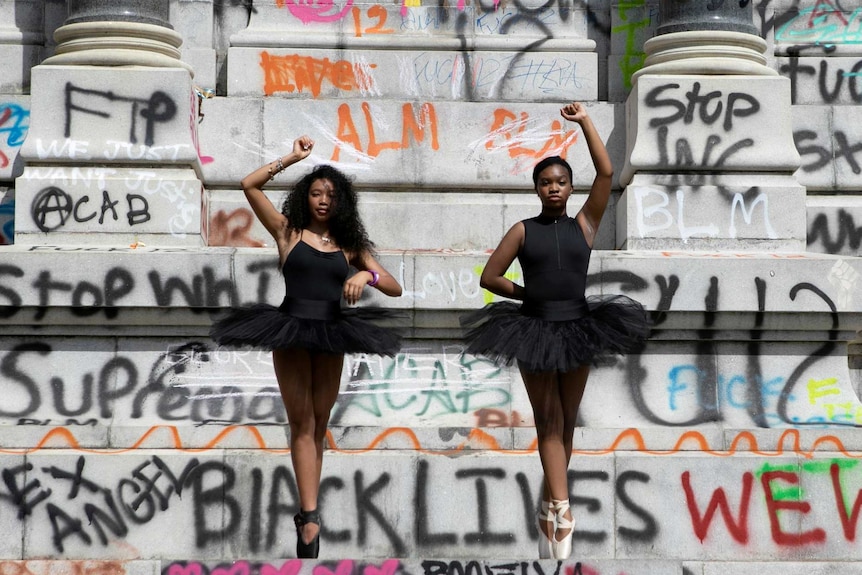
(598, 330)
(311, 325)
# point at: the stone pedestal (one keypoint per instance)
(854, 362)
(710, 153)
(709, 164)
(111, 159)
(21, 43)
(712, 213)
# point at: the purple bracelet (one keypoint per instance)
(374, 277)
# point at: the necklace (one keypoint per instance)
(323, 237)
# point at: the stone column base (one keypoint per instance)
(117, 44)
(709, 125)
(730, 213)
(705, 52)
(110, 206)
(111, 159)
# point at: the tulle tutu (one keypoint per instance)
(612, 326)
(266, 327)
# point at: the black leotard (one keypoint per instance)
(556, 328)
(310, 316)
(554, 259)
(313, 282)
(312, 274)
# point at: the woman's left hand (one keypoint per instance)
(354, 285)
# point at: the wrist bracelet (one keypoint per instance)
(374, 277)
(279, 166)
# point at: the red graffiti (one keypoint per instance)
(413, 128)
(848, 523)
(232, 229)
(777, 505)
(4, 160)
(515, 133)
(296, 73)
(487, 417)
(581, 569)
(64, 567)
(774, 506)
(822, 11)
(738, 529)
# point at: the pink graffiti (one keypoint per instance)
(345, 567)
(315, 10)
(389, 567)
(238, 568)
(291, 567)
(195, 103)
(190, 569)
(580, 569)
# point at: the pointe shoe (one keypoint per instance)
(562, 549)
(311, 549)
(546, 515)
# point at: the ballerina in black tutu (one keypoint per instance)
(557, 333)
(319, 235)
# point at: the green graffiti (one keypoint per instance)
(816, 467)
(433, 387)
(633, 58)
(512, 274)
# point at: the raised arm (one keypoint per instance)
(594, 208)
(493, 278)
(366, 264)
(271, 218)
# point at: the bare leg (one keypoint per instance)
(572, 385)
(326, 379)
(544, 394)
(309, 387)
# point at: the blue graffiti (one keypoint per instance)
(7, 221)
(685, 379)
(14, 122)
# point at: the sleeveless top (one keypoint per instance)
(313, 282)
(554, 259)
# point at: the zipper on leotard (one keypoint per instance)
(557, 236)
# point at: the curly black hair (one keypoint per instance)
(345, 225)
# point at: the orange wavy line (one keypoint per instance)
(477, 439)
(475, 435)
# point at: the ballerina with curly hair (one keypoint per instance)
(319, 236)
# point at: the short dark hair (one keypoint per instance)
(550, 161)
(345, 226)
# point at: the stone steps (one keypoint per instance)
(430, 566)
(224, 505)
(34, 435)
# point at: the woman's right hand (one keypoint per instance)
(574, 112)
(302, 147)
